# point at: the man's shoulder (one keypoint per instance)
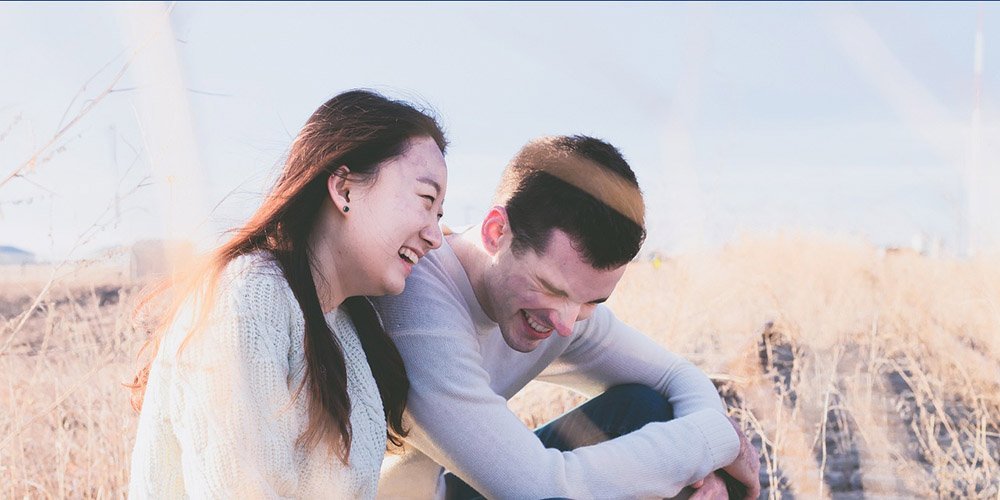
(433, 299)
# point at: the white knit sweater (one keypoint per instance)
(462, 373)
(221, 421)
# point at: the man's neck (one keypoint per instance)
(468, 248)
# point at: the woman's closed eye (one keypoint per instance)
(432, 200)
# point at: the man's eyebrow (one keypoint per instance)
(554, 290)
(432, 183)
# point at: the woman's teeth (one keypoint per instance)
(408, 255)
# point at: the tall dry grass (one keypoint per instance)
(858, 373)
(65, 427)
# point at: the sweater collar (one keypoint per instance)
(484, 325)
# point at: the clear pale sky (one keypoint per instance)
(837, 118)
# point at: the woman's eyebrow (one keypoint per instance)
(430, 182)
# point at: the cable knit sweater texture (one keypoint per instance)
(222, 420)
(462, 373)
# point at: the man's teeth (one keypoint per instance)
(408, 255)
(536, 326)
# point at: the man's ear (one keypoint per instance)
(495, 230)
(338, 187)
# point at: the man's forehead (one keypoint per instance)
(561, 246)
(566, 268)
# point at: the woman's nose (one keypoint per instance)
(432, 235)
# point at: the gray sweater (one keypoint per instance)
(462, 373)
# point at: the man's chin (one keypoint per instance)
(524, 349)
(520, 344)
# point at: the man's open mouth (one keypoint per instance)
(536, 326)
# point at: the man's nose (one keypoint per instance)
(563, 319)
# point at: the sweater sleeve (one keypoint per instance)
(606, 352)
(462, 424)
(233, 415)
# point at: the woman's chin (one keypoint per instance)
(394, 287)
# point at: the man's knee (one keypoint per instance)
(634, 391)
(618, 411)
(641, 400)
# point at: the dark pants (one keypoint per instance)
(619, 411)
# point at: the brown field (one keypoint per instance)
(859, 373)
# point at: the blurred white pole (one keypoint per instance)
(974, 231)
(164, 115)
(676, 218)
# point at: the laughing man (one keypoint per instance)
(520, 298)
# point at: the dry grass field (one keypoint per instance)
(859, 373)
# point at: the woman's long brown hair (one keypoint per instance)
(360, 129)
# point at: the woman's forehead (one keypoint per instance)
(422, 160)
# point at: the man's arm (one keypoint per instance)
(606, 352)
(458, 421)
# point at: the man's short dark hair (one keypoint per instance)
(580, 185)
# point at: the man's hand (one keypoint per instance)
(746, 467)
(713, 487)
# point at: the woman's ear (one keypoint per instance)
(338, 187)
(495, 230)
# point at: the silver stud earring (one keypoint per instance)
(347, 208)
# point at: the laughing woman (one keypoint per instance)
(271, 375)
